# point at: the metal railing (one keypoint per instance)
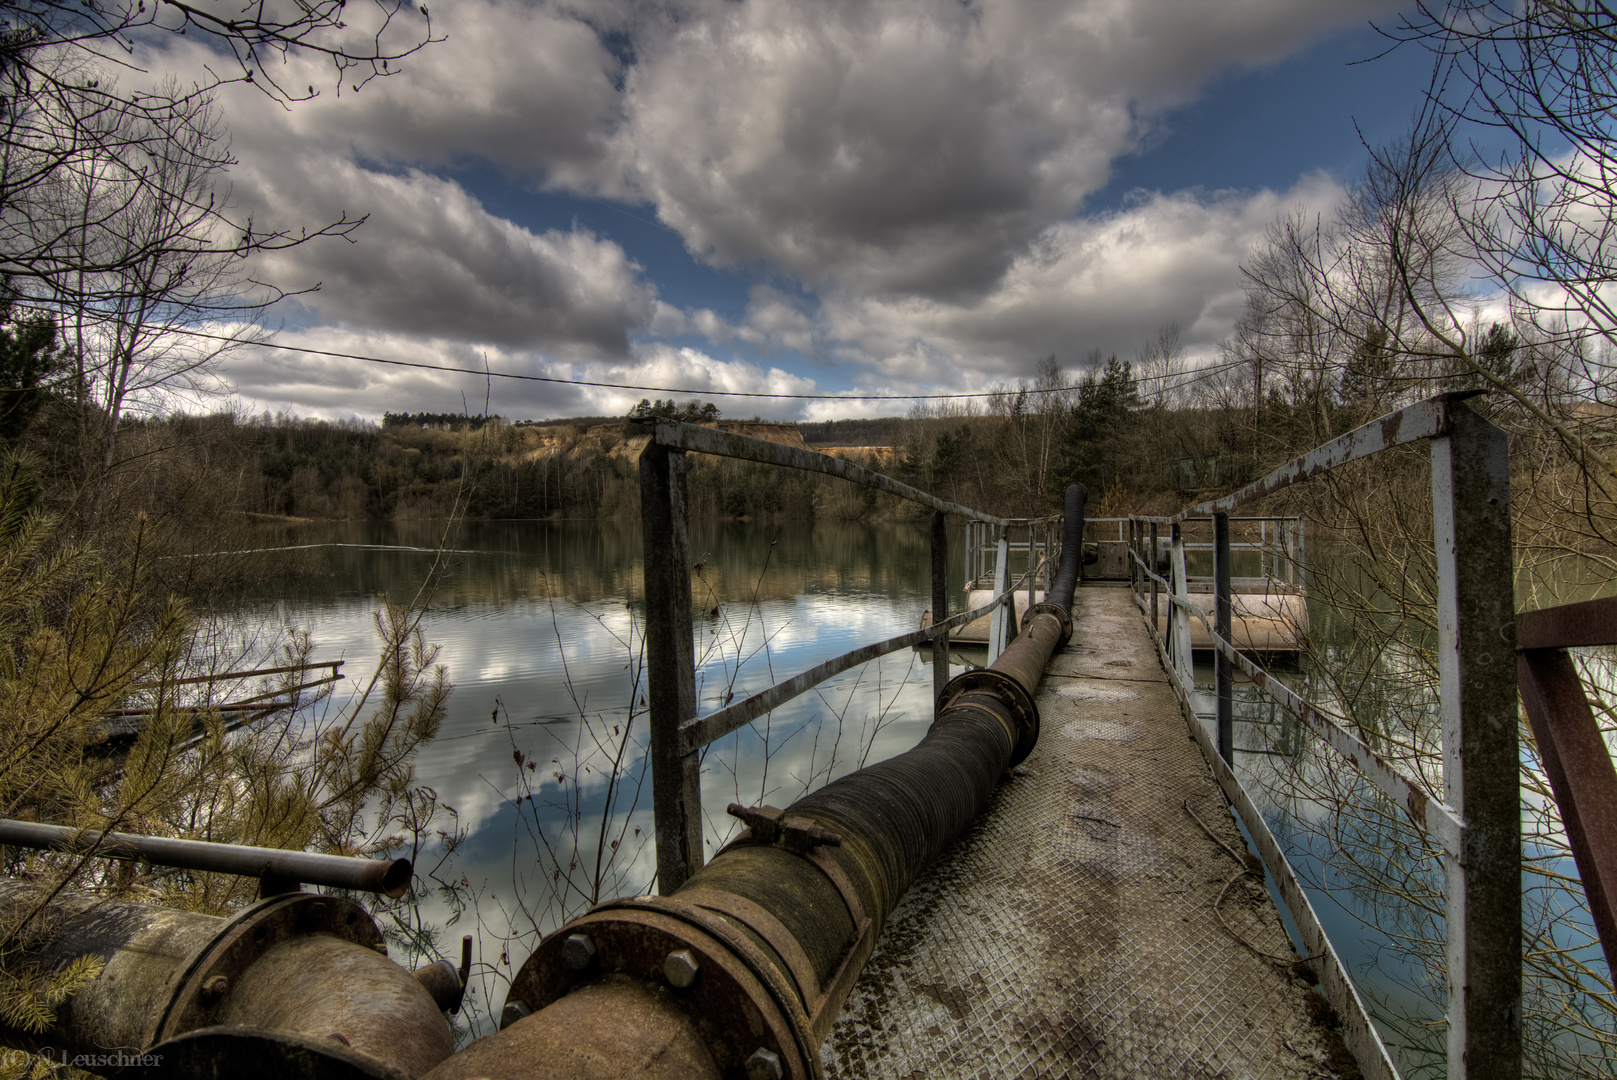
(989, 553)
(1575, 755)
(678, 735)
(1476, 822)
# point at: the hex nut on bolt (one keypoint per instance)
(764, 1065)
(681, 968)
(577, 951)
(215, 988)
(514, 1011)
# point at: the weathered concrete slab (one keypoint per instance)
(1073, 931)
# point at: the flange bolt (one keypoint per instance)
(514, 1011)
(577, 951)
(681, 968)
(215, 988)
(764, 1065)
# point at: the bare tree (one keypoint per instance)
(141, 230)
(1535, 79)
(62, 111)
(1353, 314)
(1157, 362)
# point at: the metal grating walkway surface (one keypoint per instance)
(1072, 932)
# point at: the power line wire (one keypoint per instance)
(1198, 373)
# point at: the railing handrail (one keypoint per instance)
(705, 440)
(716, 725)
(1423, 420)
(1477, 820)
(1425, 811)
(677, 734)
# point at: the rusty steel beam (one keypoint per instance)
(1570, 626)
(706, 440)
(1225, 686)
(1571, 746)
(390, 877)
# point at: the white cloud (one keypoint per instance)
(1104, 282)
(433, 261)
(526, 86)
(915, 165)
(913, 148)
(308, 384)
(775, 321)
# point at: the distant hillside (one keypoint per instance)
(880, 431)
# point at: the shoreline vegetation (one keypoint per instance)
(1014, 458)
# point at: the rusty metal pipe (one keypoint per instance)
(390, 877)
(756, 953)
(298, 965)
(613, 1028)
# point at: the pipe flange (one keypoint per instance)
(741, 1000)
(1011, 693)
(204, 991)
(1045, 607)
(249, 1053)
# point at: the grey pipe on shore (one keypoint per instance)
(742, 971)
(390, 877)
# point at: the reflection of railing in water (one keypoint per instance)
(677, 734)
(1476, 820)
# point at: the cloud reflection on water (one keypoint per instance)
(540, 631)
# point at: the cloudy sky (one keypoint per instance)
(792, 198)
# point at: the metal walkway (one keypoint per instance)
(1072, 932)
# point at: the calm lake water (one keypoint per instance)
(539, 625)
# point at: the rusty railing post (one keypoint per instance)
(1221, 623)
(940, 606)
(1581, 775)
(670, 665)
(1476, 622)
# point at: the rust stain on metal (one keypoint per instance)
(743, 1000)
(1591, 622)
(1417, 805)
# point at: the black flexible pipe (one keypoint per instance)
(1072, 548)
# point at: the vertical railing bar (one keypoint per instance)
(940, 606)
(1151, 561)
(1032, 567)
(1178, 618)
(1221, 623)
(670, 666)
(1133, 549)
(1300, 560)
(1481, 766)
(1002, 576)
